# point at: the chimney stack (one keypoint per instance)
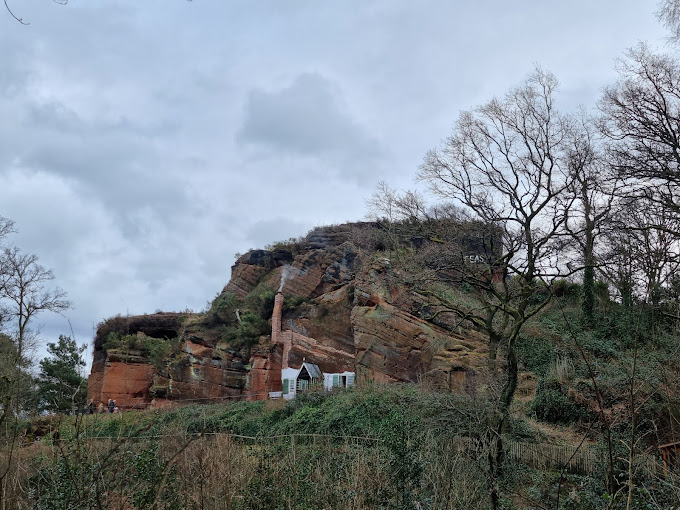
(278, 336)
(276, 318)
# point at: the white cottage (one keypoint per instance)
(300, 379)
(342, 380)
(295, 380)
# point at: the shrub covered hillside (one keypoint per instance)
(593, 404)
(375, 447)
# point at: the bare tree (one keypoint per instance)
(644, 250)
(669, 14)
(620, 269)
(25, 292)
(641, 117)
(6, 227)
(507, 165)
(406, 217)
(594, 190)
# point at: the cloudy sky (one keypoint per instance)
(144, 143)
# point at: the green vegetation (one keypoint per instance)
(60, 386)
(224, 305)
(292, 302)
(369, 448)
(363, 412)
(294, 245)
(247, 332)
(241, 322)
(552, 403)
(377, 447)
(244, 330)
(158, 350)
(536, 354)
(261, 301)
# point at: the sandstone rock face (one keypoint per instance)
(127, 383)
(339, 308)
(200, 371)
(265, 374)
(244, 278)
(390, 344)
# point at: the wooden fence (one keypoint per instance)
(583, 460)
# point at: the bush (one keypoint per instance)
(158, 350)
(292, 302)
(261, 301)
(294, 245)
(537, 354)
(78, 477)
(602, 346)
(565, 288)
(552, 404)
(248, 331)
(224, 301)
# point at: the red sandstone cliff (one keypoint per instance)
(339, 308)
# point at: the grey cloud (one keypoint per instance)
(262, 233)
(15, 73)
(57, 116)
(117, 174)
(308, 118)
(122, 161)
(53, 115)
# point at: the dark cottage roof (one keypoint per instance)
(312, 369)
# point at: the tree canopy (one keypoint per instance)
(60, 383)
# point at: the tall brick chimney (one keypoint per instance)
(276, 318)
(281, 337)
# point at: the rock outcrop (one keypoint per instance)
(340, 307)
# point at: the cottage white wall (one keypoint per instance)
(290, 374)
(328, 379)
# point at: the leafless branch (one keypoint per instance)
(14, 15)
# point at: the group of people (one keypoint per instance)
(110, 407)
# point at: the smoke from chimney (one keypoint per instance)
(286, 272)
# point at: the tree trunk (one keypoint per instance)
(493, 353)
(495, 433)
(633, 416)
(588, 299)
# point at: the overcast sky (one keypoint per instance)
(144, 143)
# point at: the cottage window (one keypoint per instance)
(285, 386)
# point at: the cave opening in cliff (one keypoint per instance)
(164, 334)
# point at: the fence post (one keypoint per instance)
(292, 444)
